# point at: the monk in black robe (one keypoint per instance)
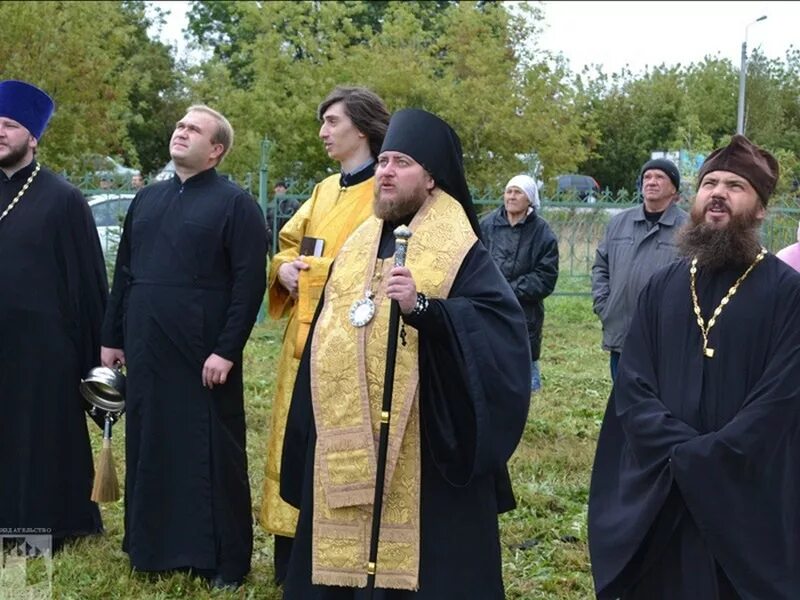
(52, 300)
(454, 427)
(189, 281)
(696, 482)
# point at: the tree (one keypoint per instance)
(117, 92)
(618, 147)
(666, 108)
(72, 50)
(709, 112)
(772, 114)
(463, 61)
(156, 98)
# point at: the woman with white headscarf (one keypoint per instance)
(526, 250)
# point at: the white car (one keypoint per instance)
(109, 212)
(105, 168)
(166, 173)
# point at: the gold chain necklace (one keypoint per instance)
(19, 194)
(704, 329)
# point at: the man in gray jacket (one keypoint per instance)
(637, 243)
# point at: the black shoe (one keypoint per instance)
(218, 583)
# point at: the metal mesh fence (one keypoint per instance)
(579, 227)
(579, 223)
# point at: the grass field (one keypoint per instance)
(544, 540)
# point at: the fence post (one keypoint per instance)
(263, 172)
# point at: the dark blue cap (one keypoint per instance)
(27, 105)
(662, 164)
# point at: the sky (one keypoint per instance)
(633, 34)
(638, 34)
(176, 20)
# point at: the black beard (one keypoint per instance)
(14, 156)
(735, 245)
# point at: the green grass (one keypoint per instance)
(551, 467)
(544, 539)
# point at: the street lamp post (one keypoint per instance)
(742, 77)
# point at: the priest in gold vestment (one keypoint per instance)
(353, 123)
(461, 393)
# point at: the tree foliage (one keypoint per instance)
(273, 62)
(268, 65)
(156, 98)
(109, 80)
(692, 108)
(772, 115)
(72, 50)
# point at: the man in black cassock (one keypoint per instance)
(461, 393)
(189, 280)
(52, 299)
(696, 481)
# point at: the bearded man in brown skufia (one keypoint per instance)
(696, 485)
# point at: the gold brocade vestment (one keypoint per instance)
(332, 214)
(347, 371)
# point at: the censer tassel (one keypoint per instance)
(106, 485)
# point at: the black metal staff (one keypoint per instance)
(401, 236)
